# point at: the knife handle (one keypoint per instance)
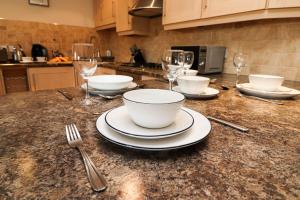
(65, 94)
(232, 125)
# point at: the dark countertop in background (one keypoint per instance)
(34, 64)
(37, 163)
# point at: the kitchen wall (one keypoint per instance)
(54, 37)
(272, 46)
(66, 12)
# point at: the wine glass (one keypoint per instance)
(85, 64)
(172, 62)
(239, 61)
(188, 61)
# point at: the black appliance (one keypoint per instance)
(3, 55)
(207, 59)
(38, 50)
(136, 56)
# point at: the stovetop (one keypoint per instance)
(146, 65)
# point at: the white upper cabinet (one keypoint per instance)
(215, 8)
(284, 3)
(181, 10)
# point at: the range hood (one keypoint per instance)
(147, 8)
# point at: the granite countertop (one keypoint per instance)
(35, 64)
(37, 163)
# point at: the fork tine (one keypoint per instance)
(68, 134)
(71, 133)
(76, 131)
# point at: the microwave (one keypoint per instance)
(207, 59)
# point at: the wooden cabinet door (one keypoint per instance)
(123, 19)
(105, 12)
(45, 78)
(181, 10)
(2, 86)
(284, 3)
(214, 8)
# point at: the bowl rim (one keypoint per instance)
(193, 78)
(265, 76)
(129, 79)
(153, 103)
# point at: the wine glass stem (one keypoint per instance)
(237, 77)
(170, 85)
(87, 95)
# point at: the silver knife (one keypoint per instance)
(232, 125)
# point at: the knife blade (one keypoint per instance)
(65, 94)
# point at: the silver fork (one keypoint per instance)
(97, 181)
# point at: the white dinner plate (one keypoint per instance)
(197, 133)
(119, 120)
(281, 93)
(94, 91)
(208, 93)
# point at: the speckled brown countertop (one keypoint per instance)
(37, 163)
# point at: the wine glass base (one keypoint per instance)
(86, 102)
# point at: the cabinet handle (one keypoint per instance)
(204, 4)
(113, 9)
(129, 17)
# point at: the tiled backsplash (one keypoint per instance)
(272, 46)
(53, 37)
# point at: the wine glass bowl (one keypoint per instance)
(188, 60)
(239, 62)
(172, 62)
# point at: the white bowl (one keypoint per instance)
(26, 59)
(153, 108)
(192, 84)
(265, 82)
(110, 82)
(41, 59)
(191, 72)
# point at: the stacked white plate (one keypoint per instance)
(190, 127)
(109, 84)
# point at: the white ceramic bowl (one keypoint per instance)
(41, 59)
(192, 84)
(191, 72)
(27, 59)
(153, 108)
(110, 82)
(265, 82)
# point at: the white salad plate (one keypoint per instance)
(208, 93)
(94, 91)
(281, 93)
(119, 120)
(199, 131)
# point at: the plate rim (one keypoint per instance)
(149, 137)
(150, 148)
(198, 95)
(290, 92)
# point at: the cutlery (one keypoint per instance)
(259, 98)
(230, 124)
(97, 181)
(65, 94)
(109, 97)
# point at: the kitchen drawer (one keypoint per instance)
(45, 78)
(15, 80)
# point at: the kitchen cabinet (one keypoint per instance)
(44, 78)
(284, 3)
(214, 8)
(104, 14)
(226, 11)
(2, 86)
(179, 11)
(127, 24)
